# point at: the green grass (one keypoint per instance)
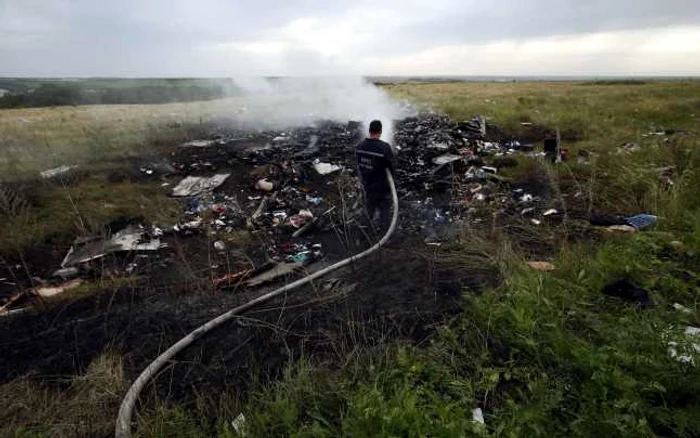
(597, 115)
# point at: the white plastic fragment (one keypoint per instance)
(681, 308)
(239, 424)
(264, 185)
(50, 173)
(219, 245)
(66, 273)
(194, 185)
(447, 158)
(550, 212)
(198, 144)
(325, 168)
(478, 416)
(50, 291)
(191, 225)
(622, 228)
(688, 351)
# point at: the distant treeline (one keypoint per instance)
(616, 82)
(26, 93)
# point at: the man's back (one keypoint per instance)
(373, 156)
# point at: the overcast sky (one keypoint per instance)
(341, 37)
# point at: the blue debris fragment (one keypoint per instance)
(642, 221)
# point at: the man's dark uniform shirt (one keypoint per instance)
(373, 156)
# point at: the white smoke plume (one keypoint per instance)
(279, 103)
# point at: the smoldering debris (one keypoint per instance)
(449, 185)
(283, 184)
(288, 178)
(294, 191)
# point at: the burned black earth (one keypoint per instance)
(263, 208)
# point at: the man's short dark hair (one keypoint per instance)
(375, 127)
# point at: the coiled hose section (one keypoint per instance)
(126, 411)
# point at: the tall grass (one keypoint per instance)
(70, 409)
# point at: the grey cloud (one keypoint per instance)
(514, 19)
(171, 37)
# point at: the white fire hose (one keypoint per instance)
(126, 411)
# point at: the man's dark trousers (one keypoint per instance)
(379, 203)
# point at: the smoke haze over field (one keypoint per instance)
(285, 102)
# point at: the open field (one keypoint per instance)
(403, 352)
(597, 115)
(35, 139)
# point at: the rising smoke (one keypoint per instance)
(279, 103)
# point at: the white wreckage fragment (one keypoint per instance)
(447, 158)
(51, 173)
(196, 185)
(325, 168)
(50, 291)
(686, 350)
(441, 146)
(239, 424)
(92, 248)
(478, 416)
(274, 273)
(198, 144)
(681, 308)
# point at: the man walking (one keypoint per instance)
(373, 157)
